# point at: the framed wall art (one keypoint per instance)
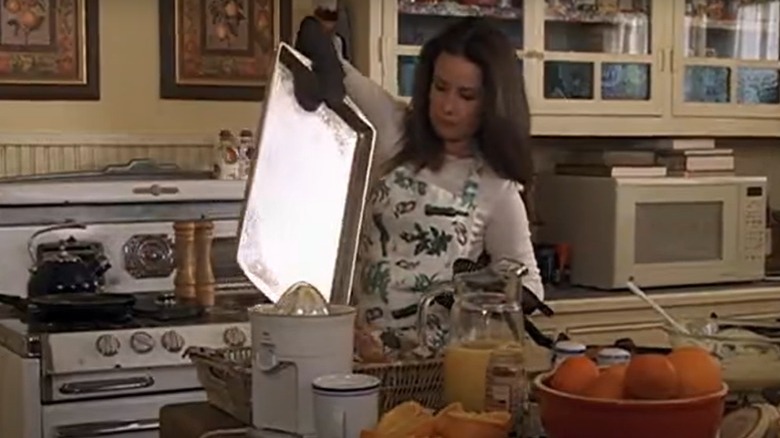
(220, 49)
(49, 50)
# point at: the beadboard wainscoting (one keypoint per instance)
(27, 159)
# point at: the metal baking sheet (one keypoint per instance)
(306, 191)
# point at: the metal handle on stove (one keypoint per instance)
(64, 226)
(156, 190)
(106, 428)
(91, 387)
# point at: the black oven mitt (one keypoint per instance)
(325, 81)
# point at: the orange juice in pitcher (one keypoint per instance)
(484, 375)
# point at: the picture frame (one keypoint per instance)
(49, 50)
(220, 49)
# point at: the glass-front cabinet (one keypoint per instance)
(666, 65)
(727, 58)
(413, 22)
(598, 57)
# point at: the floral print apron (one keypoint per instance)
(414, 233)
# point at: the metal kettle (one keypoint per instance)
(68, 265)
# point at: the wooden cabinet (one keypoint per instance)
(726, 58)
(607, 67)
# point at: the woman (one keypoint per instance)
(449, 169)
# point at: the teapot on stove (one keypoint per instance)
(67, 265)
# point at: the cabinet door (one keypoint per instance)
(727, 58)
(599, 57)
(408, 24)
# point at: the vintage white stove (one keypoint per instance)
(94, 378)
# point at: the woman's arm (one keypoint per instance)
(508, 235)
(384, 111)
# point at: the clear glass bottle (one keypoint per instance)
(505, 379)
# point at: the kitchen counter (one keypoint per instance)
(561, 297)
(591, 316)
(601, 317)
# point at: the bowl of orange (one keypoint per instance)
(679, 395)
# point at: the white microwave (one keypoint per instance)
(658, 231)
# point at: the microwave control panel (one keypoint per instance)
(754, 223)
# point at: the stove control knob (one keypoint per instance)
(107, 345)
(234, 337)
(141, 342)
(172, 342)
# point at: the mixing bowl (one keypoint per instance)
(569, 416)
(749, 352)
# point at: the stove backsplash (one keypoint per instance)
(32, 159)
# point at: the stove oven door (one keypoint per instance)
(120, 417)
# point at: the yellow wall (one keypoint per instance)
(129, 62)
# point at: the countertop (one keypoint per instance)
(574, 299)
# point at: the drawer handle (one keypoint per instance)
(614, 328)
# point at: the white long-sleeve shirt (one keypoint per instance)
(505, 231)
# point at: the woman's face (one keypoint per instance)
(455, 98)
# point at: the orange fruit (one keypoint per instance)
(460, 424)
(619, 369)
(699, 373)
(574, 374)
(651, 377)
(608, 385)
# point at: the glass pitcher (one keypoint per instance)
(483, 354)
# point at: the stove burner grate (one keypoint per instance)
(166, 307)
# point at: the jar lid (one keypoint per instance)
(749, 422)
(614, 353)
(570, 347)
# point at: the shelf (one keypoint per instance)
(702, 22)
(455, 9)
(595, 18)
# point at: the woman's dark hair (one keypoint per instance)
(504, 135)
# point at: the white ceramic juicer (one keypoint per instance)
(289, 352)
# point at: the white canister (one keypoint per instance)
(566, 349)
(612, 356)
(345, 404)
(288, 353)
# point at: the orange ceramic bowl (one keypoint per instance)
(570, 416)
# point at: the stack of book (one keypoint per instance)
(652, 158)
(611, 163)
(693, 158)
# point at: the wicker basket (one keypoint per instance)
(226, 375)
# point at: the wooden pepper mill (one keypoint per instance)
(184, 246)
(204, 275)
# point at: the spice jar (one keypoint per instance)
(226, 156)
(246, 145)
